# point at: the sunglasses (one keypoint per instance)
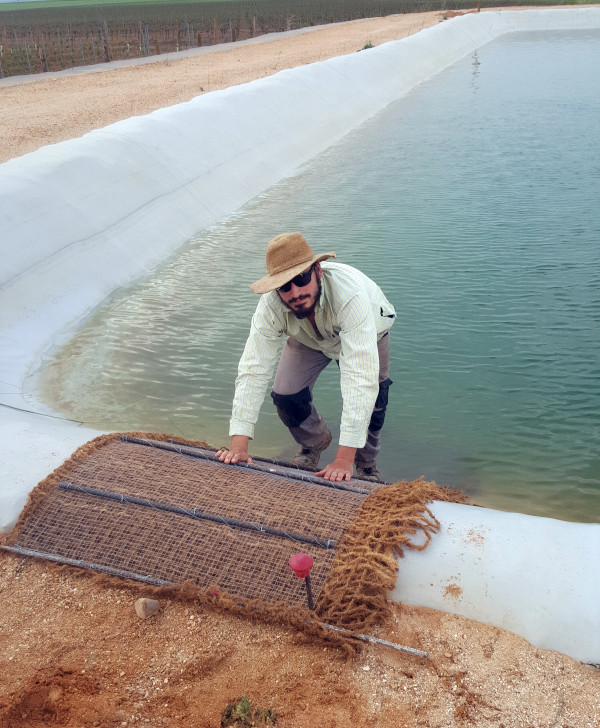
(301, 280)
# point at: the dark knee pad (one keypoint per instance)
(293, 409)
(378, 416)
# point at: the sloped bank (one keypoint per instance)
(84, 217)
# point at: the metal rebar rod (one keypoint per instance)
(204, 455)
(309, 594)
(123, 573)
(293, 471)
(376, 640)
(202, 515)
(284, 464)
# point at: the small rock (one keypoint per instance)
(145, 608)
(366, 668)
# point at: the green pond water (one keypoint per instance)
(474, 202)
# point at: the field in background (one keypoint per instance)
(59, 34)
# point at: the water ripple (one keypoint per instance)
(474, 205)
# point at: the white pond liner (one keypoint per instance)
(81, 218)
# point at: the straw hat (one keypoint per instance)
(287, 255)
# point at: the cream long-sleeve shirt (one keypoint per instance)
(351, 316)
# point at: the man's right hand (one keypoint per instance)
(237, 453)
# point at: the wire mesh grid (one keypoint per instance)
(106, 529)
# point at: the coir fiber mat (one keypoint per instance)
(166, 516)
(165, 513)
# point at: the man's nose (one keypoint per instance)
(296, 290)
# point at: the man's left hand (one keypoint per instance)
(339, 469)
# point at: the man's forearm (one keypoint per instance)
(240, 443)
(346, 454)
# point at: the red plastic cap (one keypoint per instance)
(301, 564)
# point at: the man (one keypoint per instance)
(328, 311)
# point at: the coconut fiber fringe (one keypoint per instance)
(365, 568)
(354, 580)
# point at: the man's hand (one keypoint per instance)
(342, 467)
(237, 453)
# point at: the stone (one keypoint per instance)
(145, 608)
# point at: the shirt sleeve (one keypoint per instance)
(359, 370)
(255, 370)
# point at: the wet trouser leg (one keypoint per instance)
(366, 457)
(298, 370)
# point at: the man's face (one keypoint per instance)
(302, 300)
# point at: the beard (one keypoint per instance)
(305, 311)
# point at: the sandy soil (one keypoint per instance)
(73, 653)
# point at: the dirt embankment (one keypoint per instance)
(49, 110)
(74, 653)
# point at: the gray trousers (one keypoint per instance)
(298, 370)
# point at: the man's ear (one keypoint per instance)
(319, 270)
